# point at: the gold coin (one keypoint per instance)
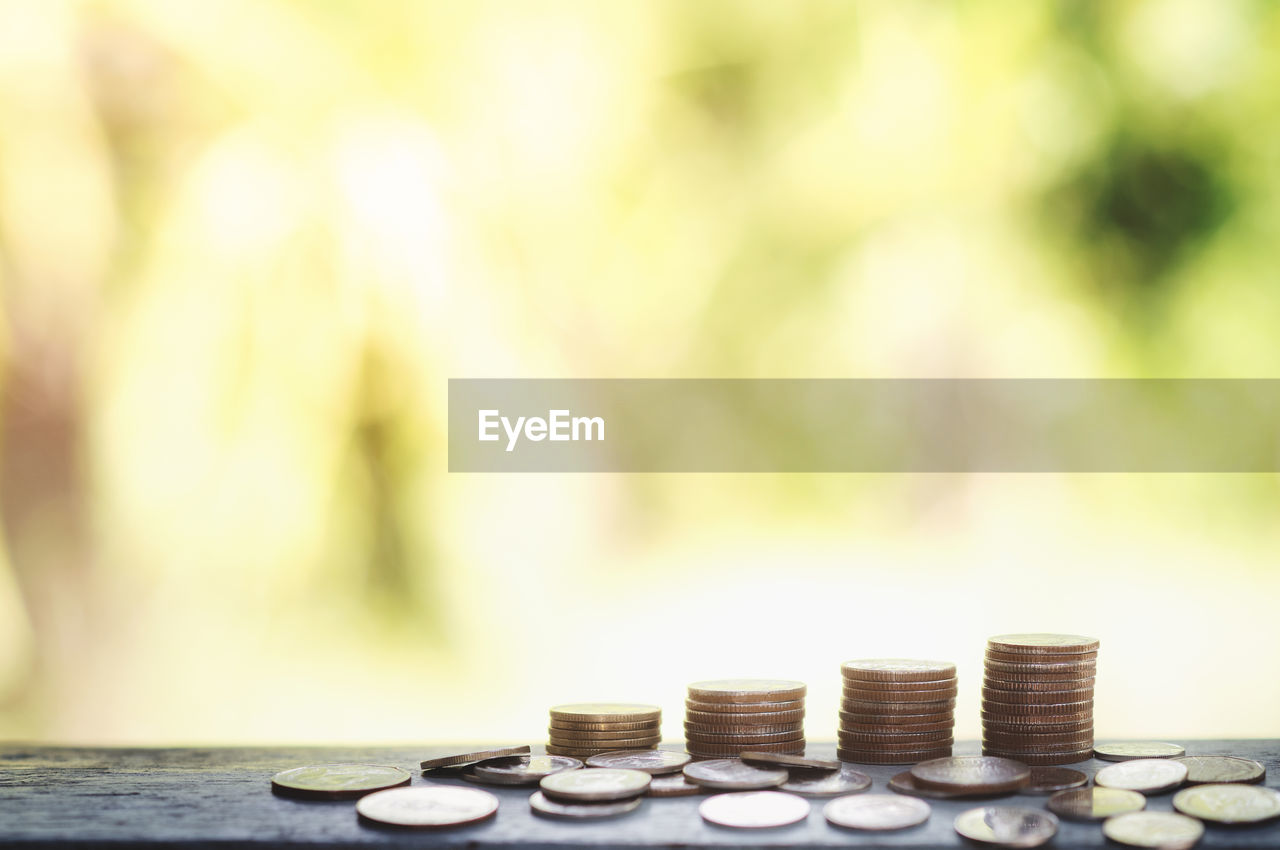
(726, 718)
(862, 706)
(744, 707)
(898, 669)
(543, 805)
(337, 781)
(1147, 776)
(600, 712)
(876, 812)
(1040, 668)
(674, 785)
(1007, 826)
(1093, 804)
(652, 762)
(896, 728)
(731, 774)
(735, 731)
(826, 783)
(972, 774)
(877, 757)
(787, 760)
(1013, 710)
(594, 786)
(878, 738)
(933, 695)
(1040, 759)
(1229, 804)
(877, 685)
(619, 726)
(1137, 750)
(601, 737)
(1155, 830)
(754, 809)
(434, 806)
(1203, 770)
(1042, 644)
(705, 750)
(463, 759)
(746, 690)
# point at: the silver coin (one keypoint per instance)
(754, 809)
(1231, 804)
(427, 806)
(787, 760)
(544, 805)
(674, 785)
(1124, 751)
(1154, 830)
(594, 785)
(1222, 769)
(337, 781)
(877, 812)
(1147, 776)
(733, 775)
(826, 783)
(1007, 826)
(1094, 804)
(520, 770)
(653, 762)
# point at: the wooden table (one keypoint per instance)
(189, 798)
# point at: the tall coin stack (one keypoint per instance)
(582, 730)
(896, 710)
(726, 717)
(1037, 698)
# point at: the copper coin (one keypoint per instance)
(744, 707)
(547, 807)
(1028, 726)
(719, 751)
(929, 696)
(1155, 830)
(1007, 826)
(652, 762)
(616, 744)
(762, 718)
(878, 686)
(876, 757)
(876, 727)
(786, 730)
(1147, 776)
(1092, 804)
(600, 712)
(898, 669)
(787, 760)
(1228, 803)
(463, 759)
(1137, 750)
(826, 783)
(674, 785)
(1022, 687)
(893, 709)
(588, 726)
(1050, 780)
(585, 752)
(1005, 697)
(877, 747)
(877, 738)
(434, 806)
(1056, 658)
(972, 774)
(1040, 759)
(780, 738)
(754, 809)
(731, 774)
(521, 770)
(1040, 668)
(583, 735)
(1016, 680)
(746, 690)
(1007, 710)
(1077, 740)
(1041, 643)
(876, 812)
(898, 721)
(905, 783)
(337, 781)
(1203, 770)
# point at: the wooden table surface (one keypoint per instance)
(78, 796)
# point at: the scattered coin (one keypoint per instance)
(733, 775)
(337, 781)
(1228, 804)
(1050, 780)
(673, 785)
(1202, 770)
(905, 783)
(754, 809)
(746, 690)
(972, 774)
(879, 812)
(595, 785)
(599, 712)
(521, 770)
(826, 783)
(876, 757)
(464, 759)
(653, 762)
(544, 805)
(1007, 826)
(1137, 750)
(433, 806)
(1090, 804)
(1042, 644)
(1149, 776)
(763, 759)
(1155, 830)
(898, 669)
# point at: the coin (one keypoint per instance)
(603, 726)
(876, 757)
(595, 785)
(337, 781)
(874, 728)
(521, 770)
(878, 747)
(1055, 658)
(716, 751)
(1078, 710)
(994, 683)
(606, 746)
(754, 809)
(990, 695)
(600, 712)
(746, 690)
(905, 783)
(733, 775)
(826, 783)
(463, 759)
(744, 707)
(1040, 668)
(1016, 680)
(761, 718)
(1042, 644)
(1229, 804)
(585, 752)
(1137, 750)
(1007, 826)
(895, 737)
(763, 759)
(972, 774)
(1150, 776)
(898, 669)
(1156, 830)
(862, 706)
(568, 735)
(427, 806)
(652, 762)
(544, 805)
(1038, 759)
(746, 740)
(929, 696)
(673, 785)
(1068, 740)
(875, 719)
(897, 687)
(1050, 780)
(1089, 804)
(878, 812)
(1029, 726)
(1203, 770)
(785, 730)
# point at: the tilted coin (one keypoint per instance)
(1079, 710)
(1041, 643)
(521, 770)
(1150, 776)
(1050, 780)
(1203, 770)
(1007, 826)
(337, 781)
(547, 807)
(582, 735)
(972, 774)
(463, 759)
(703, 750)
(895, 737)
(883, 728)
(433, 806)
(880, 747)
(1040, 759)
(603, 726)
(599, 712)
(1155, 830)
(990, 695)
(878, 812)
(898, 669)
(930, 696)
(744, 707)
(746, 690)
(905, 783)
(1056, 686)
(893, 709)
(593, 786)
(653, 762)
(733, 775)
(1090, 804)
(674, 785)
(1229, 804)
(1137, 750)
(898, 687)
(876, 757)
(1040, 668)
(765, 759)
(826, 783)
(754, 809)
(760, 718)
(586, 752)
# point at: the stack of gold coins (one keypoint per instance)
(726, 717)
(1037, 698)
(586, 729)
(896, 710)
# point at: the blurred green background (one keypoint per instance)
(244, 244)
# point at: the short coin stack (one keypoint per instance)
(1037, 698)
(726, 717)
(896, 710)
(582, 730)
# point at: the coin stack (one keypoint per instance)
(1037, 698)
(896, 710)
(726, 717)
(586, 729)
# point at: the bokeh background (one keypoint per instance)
(244, 244)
